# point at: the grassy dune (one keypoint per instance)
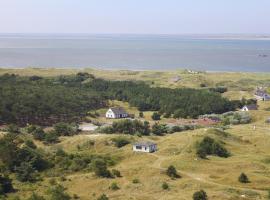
(250, 149)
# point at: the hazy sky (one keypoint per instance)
(135, 16)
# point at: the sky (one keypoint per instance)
(135, 16)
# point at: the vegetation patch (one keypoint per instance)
(208, 146)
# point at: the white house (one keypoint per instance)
(147, 147)
(116, 113)
(250, 107)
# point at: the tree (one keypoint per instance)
(39, 134)
(243, 178)
(141, 115)
(57, 193)
(5, 185)
(200, 195)
(103, 197)
(156, 116)
(171, 172)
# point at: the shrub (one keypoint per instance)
(5, 185)
(159, 129)
(38, 134)
(116, 173)
(120, 142)
(209, 146)
(103, 197)
(100, 168)
(165, 186)
(171, 172)
(51, 137)
(141, 115)
(200, 195)
(114, 186)
(35, 196)
(30, 144)
(13, 128)
(243, 178)
(25, 172)
(135, 181)
(58, 192)
(66, 129)
(156, 116)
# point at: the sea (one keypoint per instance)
(136, 52)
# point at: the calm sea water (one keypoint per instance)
(134, 52)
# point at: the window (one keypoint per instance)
(139, 147)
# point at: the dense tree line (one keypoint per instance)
(177, 102)
(45, 101)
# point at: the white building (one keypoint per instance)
(116, 113)
(147, 147)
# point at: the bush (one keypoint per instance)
(30, 144)
(243, 178)
(51, 137)
(39, 134)
(57, 193)
(141, 115)
(13, 128)
(120, 142)
(127, 126)
(103, 197)
(159, 129)
(100, 168)
(116, 173)
(171, 172)
(135, 181)
(65, 129)
(114, 186)
(165, 186)
(200, 195)
(209, 146)
(156, 116)
(5, 185)
(34, 196)
(25, 172)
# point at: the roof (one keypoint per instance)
(252, 107)
(118, 110)
(261, 93)
(144, 143)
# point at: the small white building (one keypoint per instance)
(147, 147)
(250, 107)
(116, 113)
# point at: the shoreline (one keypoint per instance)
(184, 70)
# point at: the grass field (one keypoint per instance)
(250, 149)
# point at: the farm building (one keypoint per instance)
(250, 107)
(147, 147)
(116, 113)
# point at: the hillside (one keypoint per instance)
(249, 148)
